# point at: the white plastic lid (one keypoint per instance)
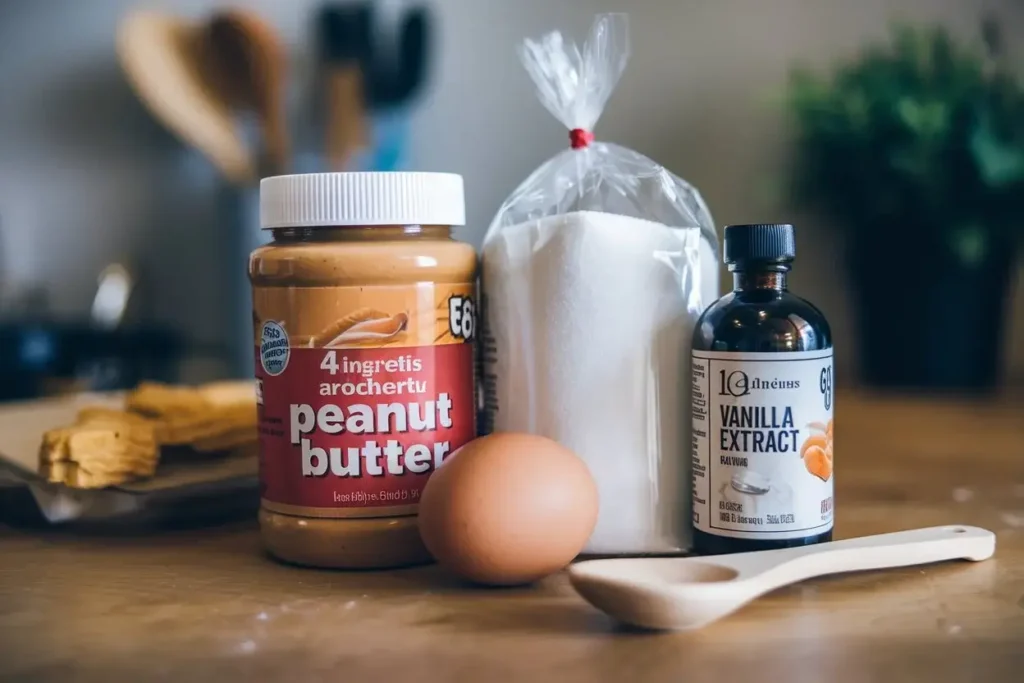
(310, 200)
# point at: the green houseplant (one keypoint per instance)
(915, 150)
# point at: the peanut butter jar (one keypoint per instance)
(364, 317)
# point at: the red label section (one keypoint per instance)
(347, 431)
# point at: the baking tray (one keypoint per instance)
(182, 475)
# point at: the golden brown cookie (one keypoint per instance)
(107, 446)
(187, 429)
(153, 399)
(227, 440)
(229, 393)
(107, 415)
(94, 455)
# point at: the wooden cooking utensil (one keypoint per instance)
(162, 57)
(688, 593)
(247, 63)
(343, 44)
(346, 115)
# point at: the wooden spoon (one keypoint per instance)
(346, 116)
(162, 57)
(688, 593)
(343, 35)
(247, 62)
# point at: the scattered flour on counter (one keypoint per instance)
(948, 627)
(962, 495)
(1013, 519)
(590, 317)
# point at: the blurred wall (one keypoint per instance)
(87, 177)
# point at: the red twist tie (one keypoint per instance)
(579, 138)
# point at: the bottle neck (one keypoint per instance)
(775, 279)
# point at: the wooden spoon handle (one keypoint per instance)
(900, 549)
(346, 115)
(275, 135)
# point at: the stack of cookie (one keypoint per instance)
(106, 446)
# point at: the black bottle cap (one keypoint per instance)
(759, 242)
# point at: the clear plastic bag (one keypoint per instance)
(594, 272)
(574, 86)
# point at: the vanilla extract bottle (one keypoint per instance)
(762, 405)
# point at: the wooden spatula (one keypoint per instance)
(343, 34)
(162, 57)
(247, 63)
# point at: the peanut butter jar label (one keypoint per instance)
(362, 393)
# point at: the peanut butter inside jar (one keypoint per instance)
(365, 320)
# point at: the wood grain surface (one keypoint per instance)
(204, 604)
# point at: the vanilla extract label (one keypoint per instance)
(758, 429)
(762, 443)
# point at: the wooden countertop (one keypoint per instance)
(198, 605)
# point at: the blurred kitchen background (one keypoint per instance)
(102, 109)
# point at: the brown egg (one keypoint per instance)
(508, 509)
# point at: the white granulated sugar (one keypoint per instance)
(591, 316)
